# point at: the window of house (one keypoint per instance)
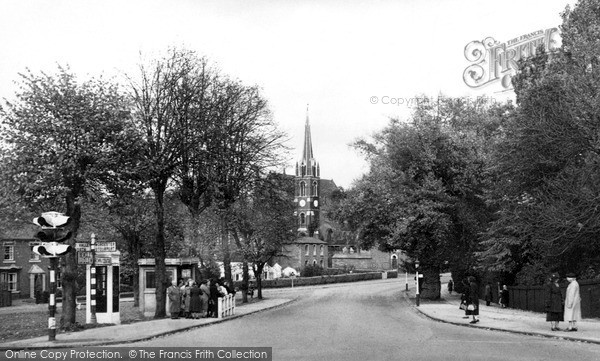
(314, 262)
(10, 279)
(315, 250)
(306, 249)
(321, 263)
(321, 250)
(9, 252)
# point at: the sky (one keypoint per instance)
(354, 63)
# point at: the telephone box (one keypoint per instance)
(107, 288)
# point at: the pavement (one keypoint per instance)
(446, 310)
(494, 317)
(138, 331)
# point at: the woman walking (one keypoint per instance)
(572, 303)
(473, 299)
(554, 303)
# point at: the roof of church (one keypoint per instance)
(307, 152)
(327, 187)
(309, 240)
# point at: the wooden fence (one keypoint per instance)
(532, 298)
(226, 306)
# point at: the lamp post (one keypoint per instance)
(418, 296)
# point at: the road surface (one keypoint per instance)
(368, 321)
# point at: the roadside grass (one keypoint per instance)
(32, 320)
(29, 320)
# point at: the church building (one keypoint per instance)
(321, 241)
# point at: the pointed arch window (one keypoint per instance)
(302, 219)
(302, 189)
(321, 250)
(314, 188)
(306, 249)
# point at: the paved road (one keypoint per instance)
(369, 321)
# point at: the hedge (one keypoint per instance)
(326, 279)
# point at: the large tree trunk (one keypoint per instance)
(258, 268)
(245, 271)
(245, 281)
(225, 247)
(160, 253)
(431, 284)
(136, 270)
(69, 269)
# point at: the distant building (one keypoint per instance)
(23, 271)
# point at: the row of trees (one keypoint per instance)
(179, 128)
(476, 186)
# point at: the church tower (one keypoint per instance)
(307, 188)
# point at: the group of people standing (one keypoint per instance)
(560, 307)
(188, 299)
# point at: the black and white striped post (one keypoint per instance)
(93, 319)
(52, 300)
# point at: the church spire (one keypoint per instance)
(307, 153)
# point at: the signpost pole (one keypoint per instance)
(93, 281)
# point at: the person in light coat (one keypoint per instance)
(174, 295)
(572, 303)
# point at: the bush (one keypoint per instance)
(311, 271)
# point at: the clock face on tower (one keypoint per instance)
(316, 203)
(302, 203)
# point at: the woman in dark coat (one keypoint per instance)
(195, 301)
(473, 299)
(214, 298)
(464, 297)
(554, 303)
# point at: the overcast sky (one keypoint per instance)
(333, 55)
